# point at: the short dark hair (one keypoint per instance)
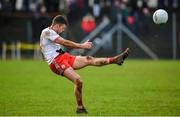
(59, 19)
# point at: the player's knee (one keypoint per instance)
(89, 59)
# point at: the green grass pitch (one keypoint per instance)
(139, 87)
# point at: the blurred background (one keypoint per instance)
(112, 25)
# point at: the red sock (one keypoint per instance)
(111, 60)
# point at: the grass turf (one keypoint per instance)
(137, 88)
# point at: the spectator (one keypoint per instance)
(8, 5)
(96, 9)
(88, 23)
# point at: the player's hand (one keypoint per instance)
(87, 45)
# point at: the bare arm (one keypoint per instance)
(68, 43)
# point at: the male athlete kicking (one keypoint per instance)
(63, 63)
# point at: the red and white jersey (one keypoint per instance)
(47, 44)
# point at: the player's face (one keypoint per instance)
(61, 28)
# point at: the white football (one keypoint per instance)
(160, 16)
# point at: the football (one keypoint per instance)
(160, 16)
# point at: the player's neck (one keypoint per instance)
(53, 28)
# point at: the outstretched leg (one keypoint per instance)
(75, 78)
(83, 61)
